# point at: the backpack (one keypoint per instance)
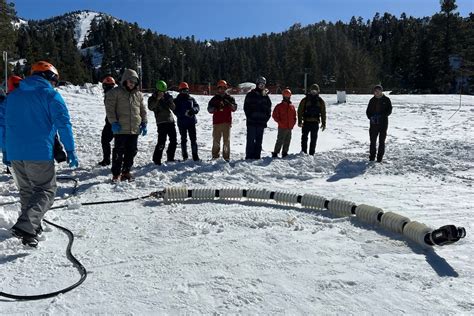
(312, 108)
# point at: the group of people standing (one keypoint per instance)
(33, 114)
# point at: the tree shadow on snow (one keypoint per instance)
(347, 169)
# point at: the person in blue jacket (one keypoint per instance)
(2, 128)
(258, 110)
(34, 113)
(185, 111)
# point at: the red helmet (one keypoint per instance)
(108, 80)
(286, 93)
(222, 83)
(13, 82)
(46, 70)
(183, 85)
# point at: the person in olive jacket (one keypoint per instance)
(127, 115)
(186, 110)
(311, 111)
(258, 110)
(378, 111)
(221, 107)
(161, 103)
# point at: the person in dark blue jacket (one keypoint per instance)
(258, 110)
(34, 113)
(185, 111)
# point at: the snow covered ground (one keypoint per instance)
(146, 257)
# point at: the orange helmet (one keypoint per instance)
(222, 83)
(286, 93)
(108, 80)
(13, 83)
(46, 70)
(183, 85)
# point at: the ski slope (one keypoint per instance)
(146, 257)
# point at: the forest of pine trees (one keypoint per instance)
(405, 54)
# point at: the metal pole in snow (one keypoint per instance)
(5, 59)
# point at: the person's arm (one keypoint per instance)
(268, 110)
(323, 113)
(211, 108)
(368, 112)
(276, 114)
(2, 124)
(301, 107)
(389, 109)
(229, 100)
(143, 113)
(153, 102)
(61, 120)
(195, 106)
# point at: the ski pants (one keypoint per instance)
(221, 131)
(377, 131)
(283, 140)
(105, 139)
(36, 181)
(125, 150)
(165, 130)
(309, 128)
(184, 131)
(253, 148)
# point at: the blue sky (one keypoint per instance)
(218, 19)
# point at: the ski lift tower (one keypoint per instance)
(306, 73)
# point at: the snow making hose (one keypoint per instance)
(396, 223)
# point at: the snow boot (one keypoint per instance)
(116, 179)
(274, 155)
(126, 176)
(31, 241)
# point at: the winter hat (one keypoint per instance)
(314, 86)
(378, 87)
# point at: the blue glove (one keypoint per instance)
(143, 129)
(72, 159)
(116, 127)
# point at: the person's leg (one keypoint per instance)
(304, 138)
(373, 134)
(382, 137)
(106, 137)
(258, 142)
(118, 154)
(314, 137)
(160, 145)
(286, 142)
(184, 139)
(193, 140)
(172, 141)
(216, 140)
(279, 142)
(130, 153)
(226, 141)
(250, 146)
(42, 178)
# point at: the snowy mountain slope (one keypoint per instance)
(146, 257)
(83, 26)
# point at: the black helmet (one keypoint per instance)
(260, 79)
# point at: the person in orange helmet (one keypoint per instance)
(285, 115)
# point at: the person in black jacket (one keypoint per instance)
(378, 111)
(258, 110)
(186, 110)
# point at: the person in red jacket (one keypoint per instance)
(221, 107)
(285, 115)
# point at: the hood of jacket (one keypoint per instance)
(129, 74)
(34, 82)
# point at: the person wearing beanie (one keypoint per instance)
(258, 110)
(311, 112)
(285, 115)
(378, 111)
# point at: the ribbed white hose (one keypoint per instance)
(258, 194)
(175, 194)
(417, 231)
(204, 194)
(368, 214)
(286, 198)
(340, 208)
(313, 201)
(230, 193)
(394, 222)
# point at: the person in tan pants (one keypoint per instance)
(221, 107)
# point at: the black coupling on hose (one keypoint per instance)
(445, 235)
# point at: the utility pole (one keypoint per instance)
(306, 72)
(5, 59)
